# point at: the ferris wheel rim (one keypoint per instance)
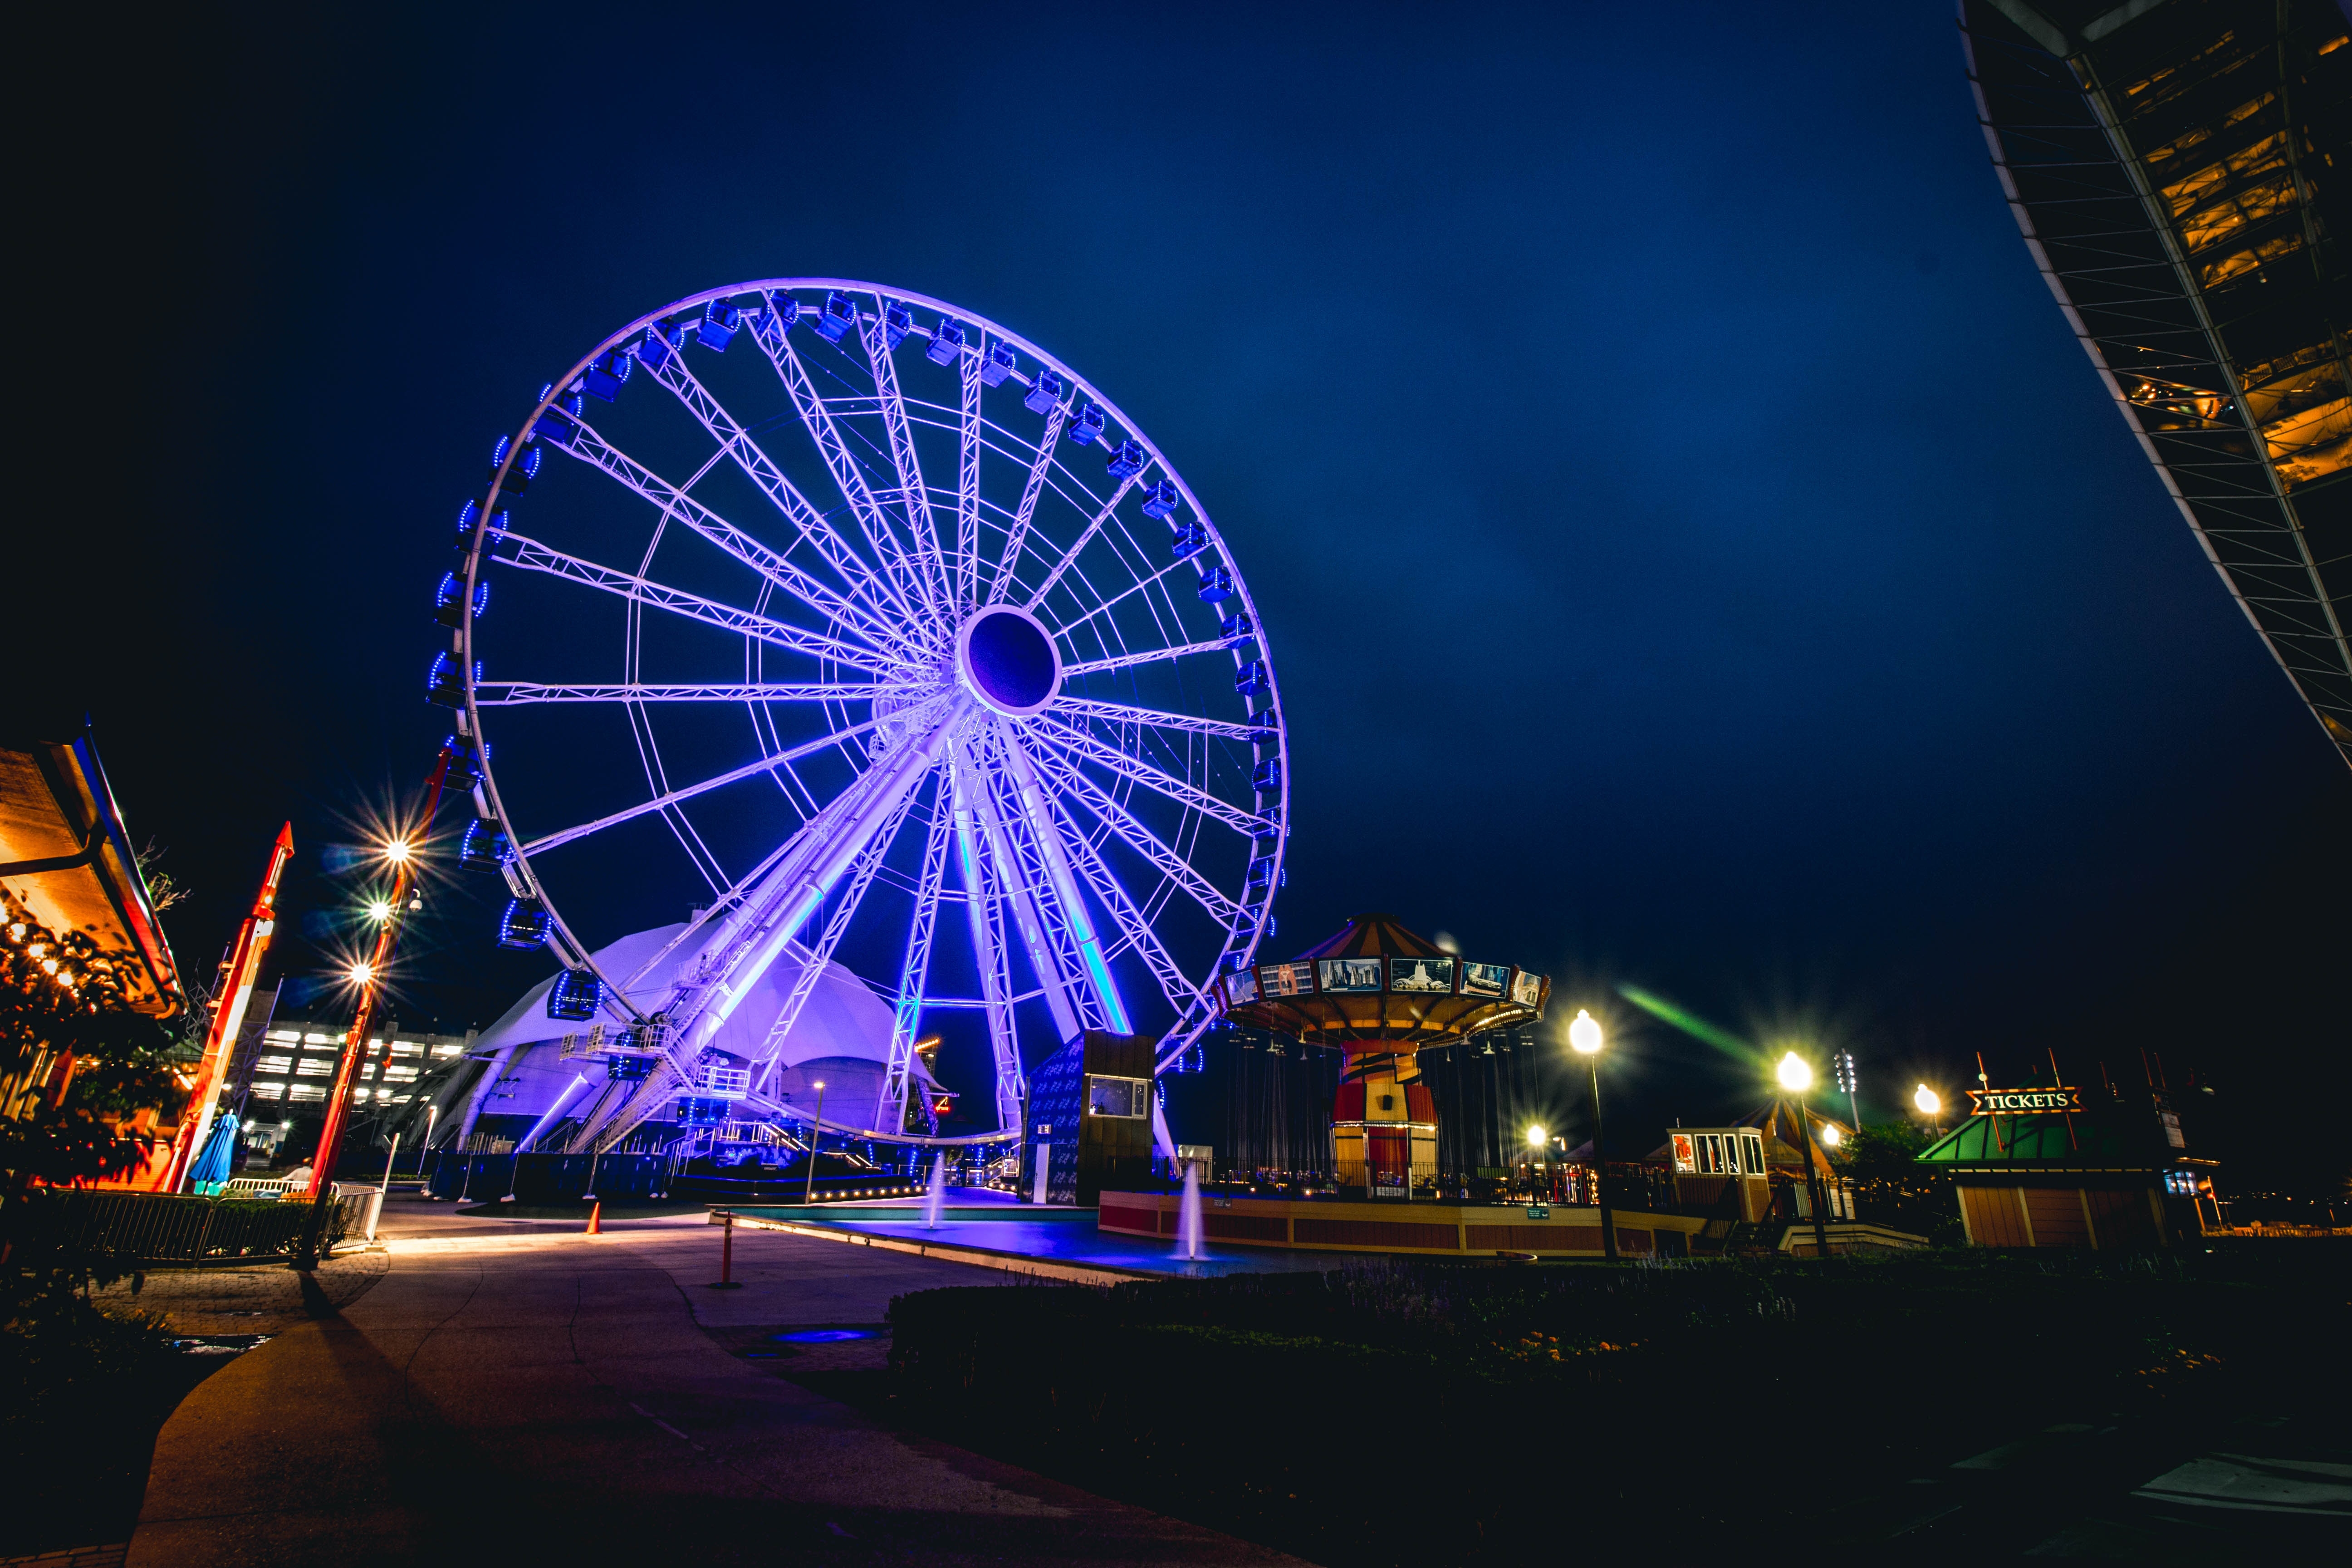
(572, 950)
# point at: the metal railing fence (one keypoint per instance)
(158, 1227)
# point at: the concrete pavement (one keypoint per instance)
(576, 1398)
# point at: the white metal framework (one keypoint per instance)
(825, 606)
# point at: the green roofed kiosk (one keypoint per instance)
(2038, 1166)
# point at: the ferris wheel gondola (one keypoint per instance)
(900, 643)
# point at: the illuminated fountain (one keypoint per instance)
(939, 1185)
(1188, 1217)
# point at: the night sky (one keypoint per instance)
(1694, 549)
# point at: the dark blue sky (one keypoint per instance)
(1694, 549)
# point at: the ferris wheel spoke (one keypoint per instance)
(1149, 656)
(736, 442)
(525, 693)
(1110, 508)
(530, 555)
(984, 915)
(1017, 538)
(905, 587)
(1141, 585)
(592, 448)
(768, 1055)
(1181, 994)
(1140, 840)
(913, 499)
(1053, 733)
(968, 477)
(685, 792)
(907, 1007)
(1153, 718)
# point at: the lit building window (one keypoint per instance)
(269, 1090)
(274, 1064)
(307, 1092)
(315, 1066)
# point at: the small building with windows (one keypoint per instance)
(2042, 1166)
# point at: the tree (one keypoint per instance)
(78, 1063)
(1894, 1189)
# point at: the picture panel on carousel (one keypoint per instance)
(1428, 975)
(1341, 976)
(1527, 989)
(1287, 979)
(1241, 988)
(1484, 979)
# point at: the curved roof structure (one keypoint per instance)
(2182, 173)
(1375, 981)
(66, 853)
(842, 1027)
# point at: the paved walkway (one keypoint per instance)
(576, 1399)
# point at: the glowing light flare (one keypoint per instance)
(1929, 1101)
(1536, 1137)
(1584, 1034)
(1691, 1024)
(397, 851)
(361, 973)
(379, 910)
(1796, 1074)
(1830, 1136)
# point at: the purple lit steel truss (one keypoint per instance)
(858, 607)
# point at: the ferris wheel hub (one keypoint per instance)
(1006, 658)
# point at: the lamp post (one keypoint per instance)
(1931, 1106)
(432, 1115)
(401, 853)
(1584, 1038)
(1796, 1076)
(816, 1131)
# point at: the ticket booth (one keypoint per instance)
(2038, 1166)
(1721, 1170)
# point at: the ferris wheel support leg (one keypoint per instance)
(794, 890)
(1050, 850)
(983, 913)
(907, 1009)
(1013, 886)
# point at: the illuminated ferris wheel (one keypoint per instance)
(895, 642)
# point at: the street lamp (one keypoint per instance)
(1796, 1076)
(1931, 1106)
(398, 851)
(1584, 1038)
(361, 973)
(379, 909)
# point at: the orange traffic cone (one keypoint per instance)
(595, 1217)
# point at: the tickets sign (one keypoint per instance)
(2025, 1102)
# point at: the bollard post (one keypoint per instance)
(726, 1280)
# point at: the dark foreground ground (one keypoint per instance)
(1933, 1407)
(482, 1390)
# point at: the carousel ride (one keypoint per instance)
(1381, 994)
(892, 647)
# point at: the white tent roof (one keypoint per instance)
(842, 1022)
(843, 1017)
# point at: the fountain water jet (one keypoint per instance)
(1188, 1216)
(939, 1185)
